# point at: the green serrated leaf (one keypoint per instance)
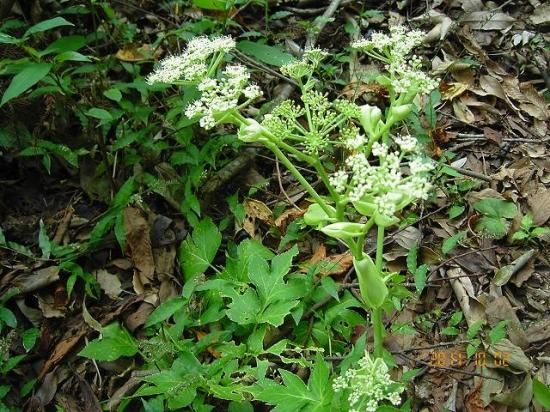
(115, 343)
(412, 259)
(474, 329)
(113, 94)
(450, 331)
(197, 251)
(456, 211)
(456, 318)
(245, 309)
(496, 208)
(495, 227)
(498, 332)
(420, 276)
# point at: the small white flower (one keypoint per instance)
(406, 143)
(252, 92)
(339, 181)
(355, 142)
(379, 149)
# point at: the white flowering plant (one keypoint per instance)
(381, 172)
(364, 387)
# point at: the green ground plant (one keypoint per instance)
(381, 173)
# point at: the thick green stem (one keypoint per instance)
(377, 324)
(313, 193)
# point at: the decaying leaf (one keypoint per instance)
(109, 283)
(139, 247)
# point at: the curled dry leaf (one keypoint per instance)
(139, 247)
(109, 283)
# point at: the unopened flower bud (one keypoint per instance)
(252, 132)
(369, 118)
(398, 113)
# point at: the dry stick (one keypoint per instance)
(453, 258)
(321, 23)
(446, 368)
(476, 137)
(470, 173)
(282, 189)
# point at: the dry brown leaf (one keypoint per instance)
(138, 247)
(539, 331)
(539, 203)
(541, 14)
(492, 135)
(501, 309)
(47, 305)
(462, 112)
(135, 53)
(453, 90)
(109, 283)
(139, 316)
(474, 403)
(488, 20)
(510, 354)
(60, 351)
(258, 210)
(288, 215)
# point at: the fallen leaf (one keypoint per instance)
(503, 275)
(462, 112)
(539, 203)
(288, 215)
(109, 283)
(500, 309)
(258, 210)
(511, 354)
(519, 397)
(135, 53)
(539, 331)
(492, 135)
(138, 247)
(488, 20)
(541, 14)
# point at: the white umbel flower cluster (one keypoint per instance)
(398, 44)
(384, 183)
(368, 385)
(221, 95)
(393, 49)
(192, 65)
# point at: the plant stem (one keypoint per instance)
(313, 193)
(377, 324)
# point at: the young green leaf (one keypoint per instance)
(264, 53)
(451, 242)
(496, 208)
(197, 251)
(115, 343)
(47, 25)
(541, 393)
(25, 79)
(498, 332)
